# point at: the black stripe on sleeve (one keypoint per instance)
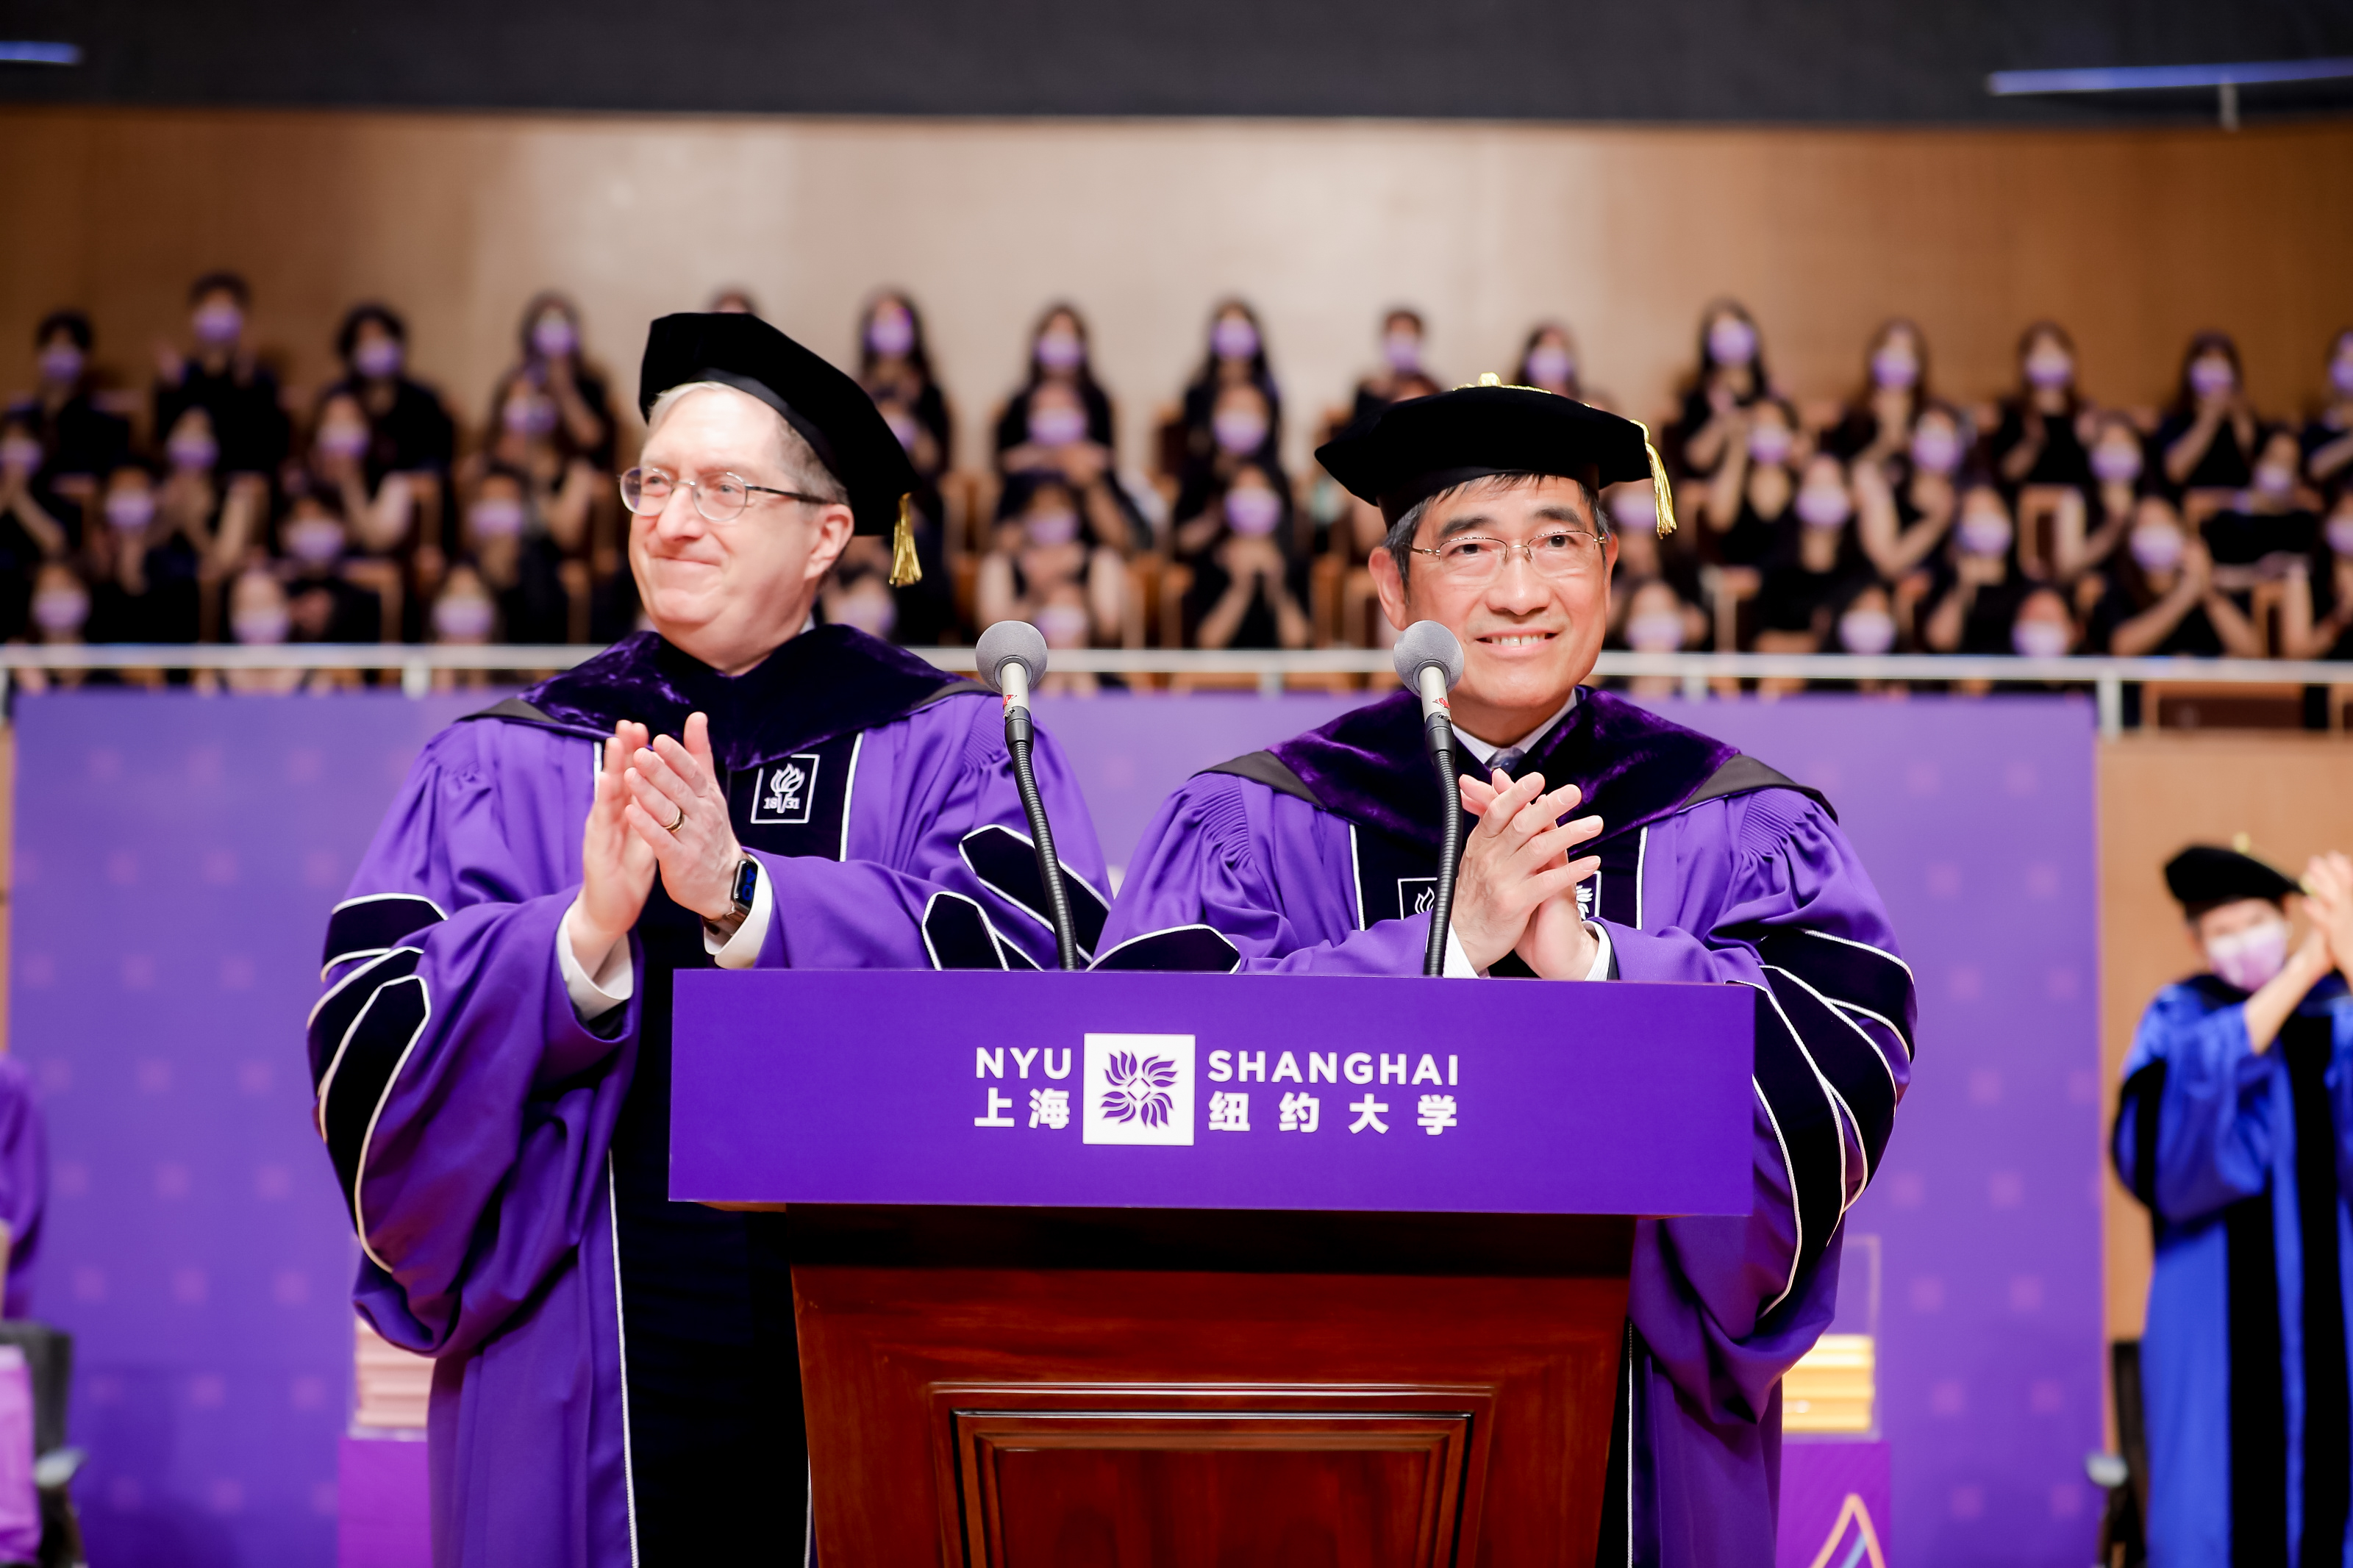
(378, 1041)
(2258, 1391)
(331, 1015)
(1847, 972)
(2307, 1043)
(1196, 948)
(1845, 1055)
(957, 934)
(363, 927)
(1006, 862)
(2144, 1093)
(1806, 1119)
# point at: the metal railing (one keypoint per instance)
(1696, 675)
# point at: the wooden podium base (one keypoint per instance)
(1026, 1388)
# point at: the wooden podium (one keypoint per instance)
(1062, 1300)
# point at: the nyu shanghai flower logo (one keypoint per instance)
(1139, 1089)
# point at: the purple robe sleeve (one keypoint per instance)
(922, 789)
(1271, 872)
(1763, 891)
(466, 1107)
(24, 1180)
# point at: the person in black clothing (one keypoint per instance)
(80, 442)
(1905, 504)
(409, 429)
(322, 604)
(2044, 431)
(1730, 377)
(1242, 434)
(2160, 596)
(1401, 374)
(2208, 441)
(2328, 437)
(1814, 554)
(2276, 519)
(553, 364)
(1050, 534)
(516, 559)
(29, 532)
(1972, 597)
(1246, 588)
(1030, 436)
(1548, 362)
(895, 365)
(222, 377)
(1235, 357)
(1755, 483)
(1878, 423)
(2318, 613)
(144, 566)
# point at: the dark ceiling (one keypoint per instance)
(1691, 61)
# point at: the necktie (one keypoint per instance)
(1506, 760)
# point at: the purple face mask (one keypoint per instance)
(1895, 370)
(1654, 631)
(2340, 535)
(2115, 462)
(1233, 338)
(1768, 444)
(349, 440)
(1239, 433)
(2213, 376)
(2276, 480)
(1636, 510)
(1866, 632)
(60, 609)
(870, 607)
(890, 334)
(61, 366)
(130, 511)
(463, 617)
(218, 323)
(1403, 351)
(2340, 373)
(2039, 639)
(19, 456)
(1253, 510)
(1047, 529)
(1057, 426)
(553, 335)
(1936, 449)
(902, 426)
(315, 541)
(378, 358)
(1061, 350)
(529, 416)
(1984, 533)
(2049, 368)
(496, 517)
(2247, 959)
(193, 453)
(1064, 625)
(263, 627)
(1823, 506)
(1550, 365)
(1731, 340)
(2157, 547)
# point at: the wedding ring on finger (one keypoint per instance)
(671, 828)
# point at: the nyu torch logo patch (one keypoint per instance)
(786, 791)
(1139, 1089)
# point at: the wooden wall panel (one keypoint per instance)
(2292, 794)
(2135, 239)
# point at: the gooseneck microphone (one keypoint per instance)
(1430, 661)
(1012, 661)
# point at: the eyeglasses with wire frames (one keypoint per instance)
(1555, 553)
(721, 498)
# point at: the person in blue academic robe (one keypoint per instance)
(2235, 1132)
(617, 1377)
(1611, 844)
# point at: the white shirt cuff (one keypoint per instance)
(740, 951)
(1457, 963)
(616, 980)
(1600, 970)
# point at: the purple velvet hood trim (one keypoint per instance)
(1634, 767)
(825, 682)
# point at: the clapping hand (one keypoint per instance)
(617, 868)
(1516, 869)
(678, 811)
(2328, 905)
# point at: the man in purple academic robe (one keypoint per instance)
(1692, 863)
(616, 1378)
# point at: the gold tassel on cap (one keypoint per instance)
(904, 568)
(1662, 494)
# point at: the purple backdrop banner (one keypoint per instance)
(176, 857)
(1263, 1091)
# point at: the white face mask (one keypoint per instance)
(2249, 958)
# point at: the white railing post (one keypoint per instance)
(416, 679)
(2108, 691)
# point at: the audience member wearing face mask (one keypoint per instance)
(1247, 589)
(2318, 616)
(1814, 556)
(2043, 436)
(80, 442)
(1059, 446)
(516, 559)
(1207, 425)
(58, 615)
(1548, 361)
(1078, 413)
(552, 362)
(464, 614)
(1045, 536)
(218, 516)
(2270, 527)
(259, 617)
(30, 532)
(409, 429)
(2117, 457)
(895, 365)
(1756, 482)
(1904, 505)
(2208, 440)
(1651, 617)
(323, 604)
(2160, 596)
(2328, 440)
(1402, 374)
(1973, 596)
(1878, 422)
(144, 566)
(1242, 435)
(550, 423)
(1729, 377)
(220, 374)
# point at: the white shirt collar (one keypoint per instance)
(1484, 750)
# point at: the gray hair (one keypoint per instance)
(803, 469)
(1399, 542)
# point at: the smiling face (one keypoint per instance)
(1527, 638)
(729, 593)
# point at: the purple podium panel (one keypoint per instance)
(1134, 1090)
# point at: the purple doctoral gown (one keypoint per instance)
(616, 1378)
(1314, 858)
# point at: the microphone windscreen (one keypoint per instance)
(1023, 643)
(1426, 643)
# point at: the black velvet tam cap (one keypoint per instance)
(2205, 875)
(828, 407)
(1400, 455)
